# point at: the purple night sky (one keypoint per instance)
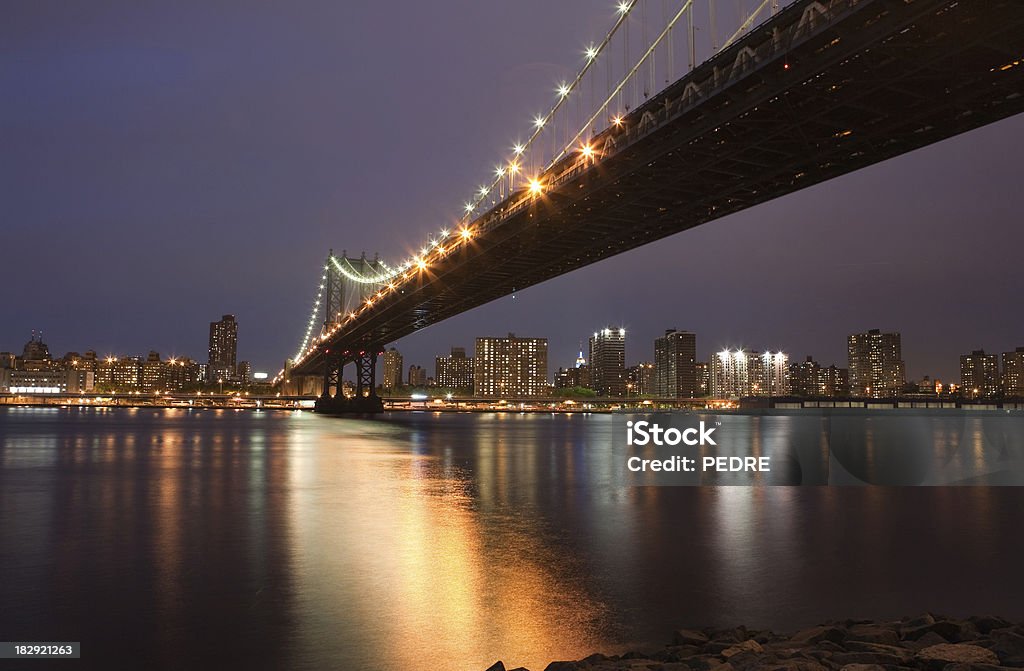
(165, 164)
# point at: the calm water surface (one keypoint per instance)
(197, 539)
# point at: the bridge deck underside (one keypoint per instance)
(886, 78)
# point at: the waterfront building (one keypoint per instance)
(703, 378)
(1013, 373)
(45, 381)
(417, 376)
(455, 371)
(153, 374)
(510, 366)
(223, 349)
(393, 366)
(876, 364)
(608, 362)
(834, 381)
(735, 374)
(979, 375)
(809, 378)
(640, 379)
(675, 365)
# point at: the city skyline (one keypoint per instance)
(812, 267)
(974, 368)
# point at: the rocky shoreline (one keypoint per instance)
(926, 643)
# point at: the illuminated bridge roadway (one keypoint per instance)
(817, 90)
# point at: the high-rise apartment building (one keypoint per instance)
(1013, 373)
(979, 375)
(675, 365)
(153, 376)
(455, 371)
(640, 379)
(393, 367)
(417, 376)
(608, 362)
(808, 378)
(876, 364)
(223, 349)
(510, 366)
(739, 373)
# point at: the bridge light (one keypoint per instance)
(482, 191)
(518, 149)
(538, 122)
(444, 232)
(499, 171)
(469, 207)
(563, 90)
(591, 52)
(536, 187)
(466, 234)
(513, 168)
(421, 264)
(587, 150)
(624, 6)
(617, 121)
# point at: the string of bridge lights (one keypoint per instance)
(446, 241)
(442, 245)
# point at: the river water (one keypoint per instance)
(173, 538)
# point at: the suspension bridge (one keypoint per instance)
(671, 122)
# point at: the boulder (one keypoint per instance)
(1009, 646)
(689, 637)
(745, 646)
(986, 623)
(873, 633)
(862, 667)
(951, 630)
(817, 634)
(957, 653)
(902, 654)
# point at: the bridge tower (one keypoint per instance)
(348, 283)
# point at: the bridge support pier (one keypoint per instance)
(365, 401)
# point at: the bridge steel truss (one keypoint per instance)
(820, 90)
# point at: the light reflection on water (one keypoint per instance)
(450, 541)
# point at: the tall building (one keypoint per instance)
(393, 367)
(808, 378)
(608, 362)
(223, 349)
(154, 373)
(979, 375)
(1013, 373)
(730, 374)
(803, 377)
(675, 365)
(739, 373)
(640, 379)
(876, 364)
(417, 376)
(510, 366)
(834, 381)
(703, 378)
(455, 371)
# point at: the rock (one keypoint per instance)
(919, 621)
(800, 664)
(929, 639)
(1009, 646)
(951, 630)
(745, 646)
(873, 633)
(690, 637)
(565, 666)
(963, 653)
(816, 634)
(902, 654)
(497, 666)
(846, 658)
(862, 667)
(986, 623)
